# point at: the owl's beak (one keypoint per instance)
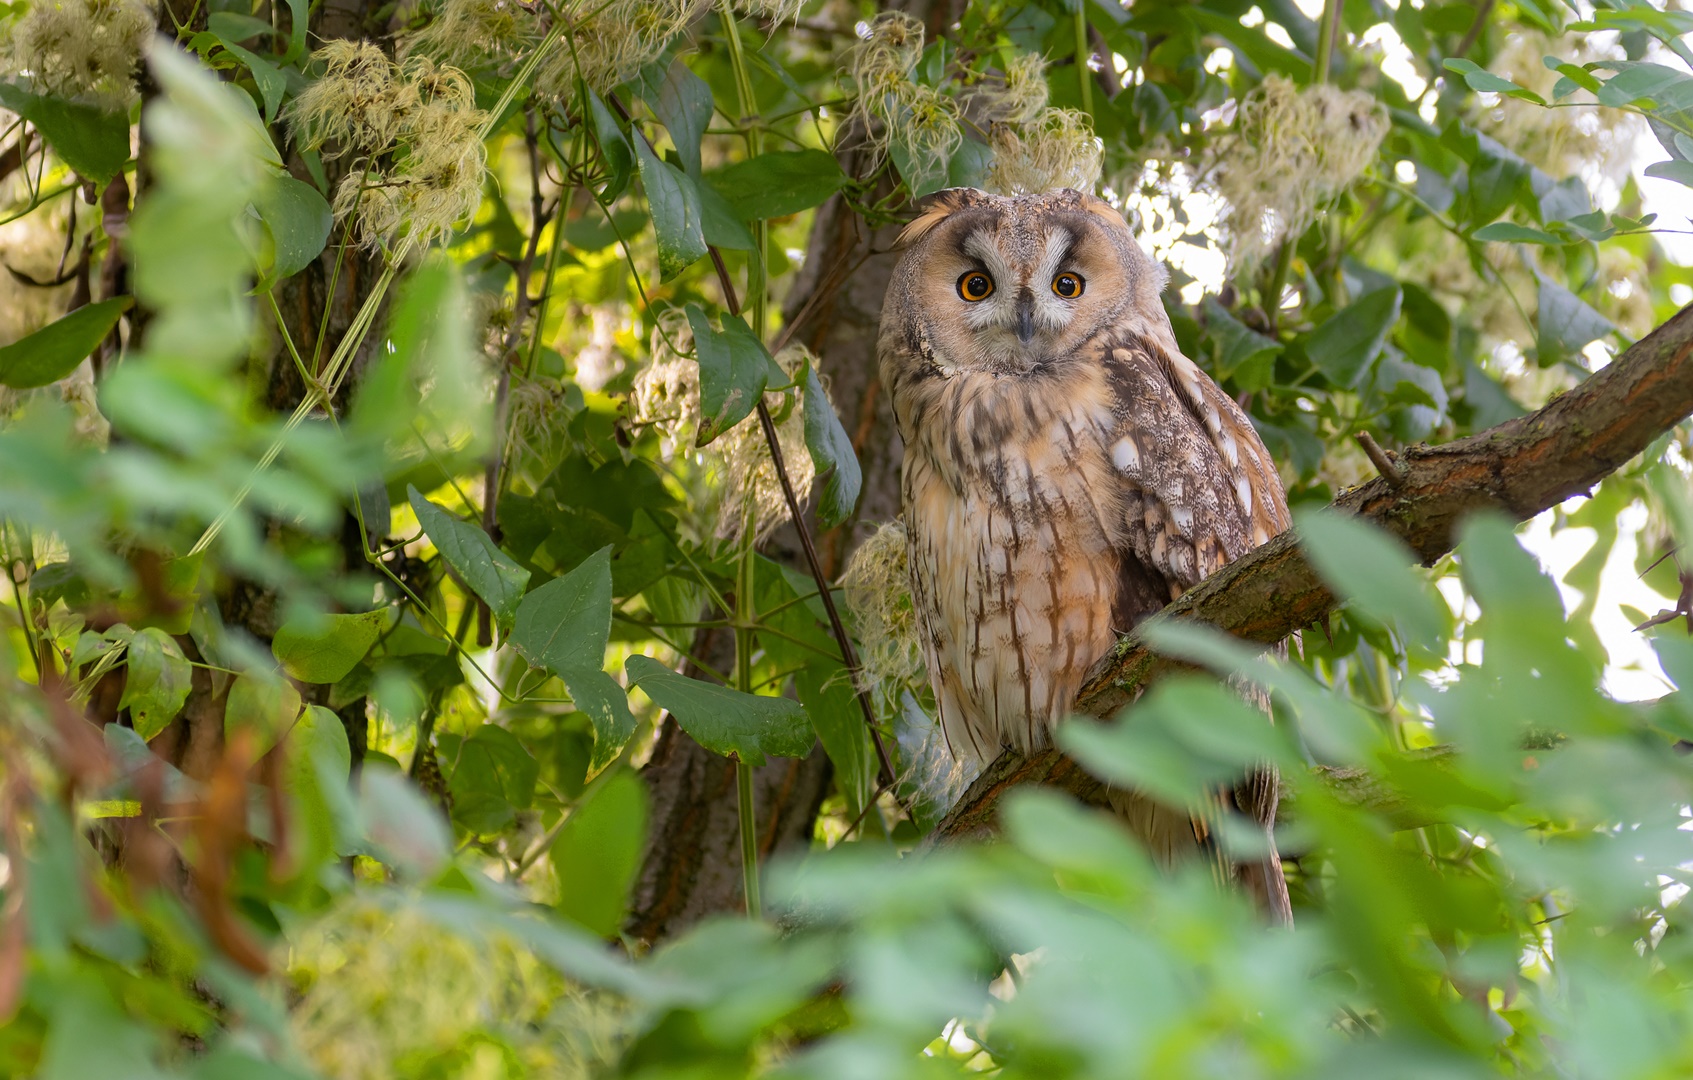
(1025, 316)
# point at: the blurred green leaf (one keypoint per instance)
(1375, 572)
(55, 350)
(1566, 323)
(490, 572)
(1510, 233)
(92, 142)
(723, 720)
(156, 681)
(598, 851)
(265, 704)
(323, 648)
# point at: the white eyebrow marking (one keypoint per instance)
(1058, 244)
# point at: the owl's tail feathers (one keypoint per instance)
(1263, 880)
(1175, 835)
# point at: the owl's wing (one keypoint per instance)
(1199, 488)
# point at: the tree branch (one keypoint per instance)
(1518, 468)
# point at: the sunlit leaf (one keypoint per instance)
(777, 183)
(323, 648)
(156, 681)
(735, 367)
(598, 851)
(723, 720)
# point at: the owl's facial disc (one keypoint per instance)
(1018, 299)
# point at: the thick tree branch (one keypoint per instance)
(1518, 468)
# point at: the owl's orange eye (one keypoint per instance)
(1068, 285)
(975, 285)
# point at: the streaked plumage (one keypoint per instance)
(1067, 471)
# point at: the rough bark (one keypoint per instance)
(1518, 469)
(691, 867)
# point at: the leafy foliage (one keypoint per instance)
(410, 410)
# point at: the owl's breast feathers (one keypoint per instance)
(1049, 511)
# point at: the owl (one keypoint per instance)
(1067, 473)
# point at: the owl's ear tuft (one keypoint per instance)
(934, 209)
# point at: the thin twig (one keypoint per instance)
(1380, 458)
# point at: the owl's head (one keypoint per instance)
(1012, 283)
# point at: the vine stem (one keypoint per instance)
(849, 655)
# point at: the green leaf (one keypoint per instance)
(675, 206)
(1485, 81)
(491, 573)
(1507, 232)
(722, 227)
(1679, 171)
(494, 778)
(1374, 571)
(1346, 344)
(262, 703)
(598, 852)
(231, 26)
(563, 627)
(266, 76)
(1158, 748)
(1580, 78)
(830, 449)
(614, 145)
(1238, 343)
(777, 183)
(722, 720)
(156, 683)
(1566, 322)
(300, 12)
(314, 774)
(1638, 81)
(324, 648)
(734, 370)
(93, 143)
(299, 221)
(55, 350)
(683, 105)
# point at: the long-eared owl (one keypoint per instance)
(1067, 471)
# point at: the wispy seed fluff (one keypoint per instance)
(420, 114)
(739, 476)
(469, 31)
(87, 50)
(611, 42)
(1296, 150)
(878, 593)
(894, 109)
(382, 988)
(1020, 98)
(1057, 150)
